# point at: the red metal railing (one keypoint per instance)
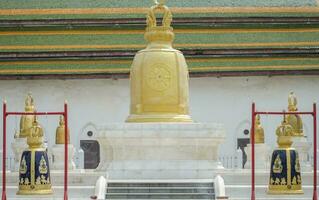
(252, 137)
(5, 115)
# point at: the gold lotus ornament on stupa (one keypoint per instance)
(159, 75)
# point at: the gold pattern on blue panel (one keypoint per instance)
(23, 166)
(277, 167)
(43, 169)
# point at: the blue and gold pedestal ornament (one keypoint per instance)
(285, 177)
(34, 172)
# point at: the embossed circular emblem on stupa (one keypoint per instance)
(159, 77)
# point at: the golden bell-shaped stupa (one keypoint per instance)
(60, 132)
(34, 171)
(159, 75)
(294, 120)
(259, 131)
(285, 176)
(27, 120)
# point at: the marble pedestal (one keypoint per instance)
(261, 156)
(58, 157)
(18, 146)
(302, 146)
(160, 150)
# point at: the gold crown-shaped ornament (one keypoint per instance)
(284, 133)
(35, 139)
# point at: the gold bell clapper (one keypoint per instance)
(27, 120)
(294, 119)
(285, 176)
(159, 74)
(34, 171)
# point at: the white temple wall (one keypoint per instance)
(224, 100)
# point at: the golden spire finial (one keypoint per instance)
(294, 119)
(292, 102)
(26, 121)
(29, 104)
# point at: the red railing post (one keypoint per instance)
(252, 139)
(66, 151)
(315, 194)
(4, 151)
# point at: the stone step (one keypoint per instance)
(159, 184)
(186, 189)
(160, 196)
(160, 190)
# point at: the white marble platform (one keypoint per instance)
(160, 150)
(58, 156)
(262, 156)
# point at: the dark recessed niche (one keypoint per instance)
(90, 133)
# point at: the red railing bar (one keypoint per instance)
(315, 195)
(252, 136)
(4, 151)
(284, 113)
(66, 154)
(35, 113)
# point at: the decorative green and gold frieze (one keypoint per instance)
(65, 26)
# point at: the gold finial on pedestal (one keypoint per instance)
(259, 131)
(27, 120)
(60, 132)
(159, 74)
(294, 120)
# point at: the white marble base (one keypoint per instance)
(58, 157)
(18, 146)
(261, 156)
(302, 146)
(160, 150)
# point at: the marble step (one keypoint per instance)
(159, 184)
(160, 196)
(160, 190)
